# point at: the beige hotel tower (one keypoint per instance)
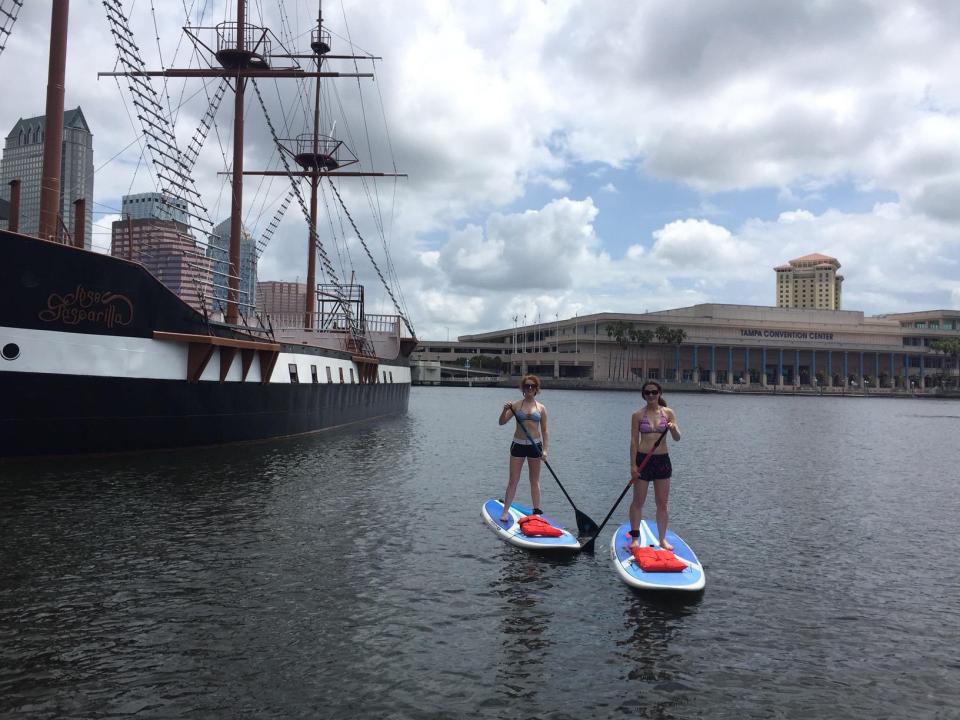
(810, 281)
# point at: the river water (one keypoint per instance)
(349, 575)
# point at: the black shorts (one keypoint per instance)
(527, 451)
(659, 467)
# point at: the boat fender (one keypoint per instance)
(536, 526)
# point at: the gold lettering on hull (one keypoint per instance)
(93, 307)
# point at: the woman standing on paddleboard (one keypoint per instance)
(533, 415)
(646, 426)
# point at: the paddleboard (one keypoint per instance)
(510, 531)
(690, 579)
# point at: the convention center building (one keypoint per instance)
(805, 346)
(723, 345)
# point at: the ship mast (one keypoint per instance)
(236, 203)
(53, 132)
(320, 47)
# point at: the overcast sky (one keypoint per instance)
(576, 157)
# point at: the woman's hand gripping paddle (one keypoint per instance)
(585, 526)
(588, 545)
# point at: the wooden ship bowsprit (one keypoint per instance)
(99, 356)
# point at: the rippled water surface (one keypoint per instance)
(349, 575)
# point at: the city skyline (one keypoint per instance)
(576, 159)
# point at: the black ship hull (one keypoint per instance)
(98, 356)
(65, 414)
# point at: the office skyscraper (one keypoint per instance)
(23, 161)
(218, 250)
(152, 205)
(147, 234)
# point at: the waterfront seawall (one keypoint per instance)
(548, 383)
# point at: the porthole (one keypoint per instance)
(11, 351)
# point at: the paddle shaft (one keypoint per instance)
(584, 523)
(588, 545)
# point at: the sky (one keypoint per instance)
(566, 158)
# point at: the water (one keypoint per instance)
(349, 575)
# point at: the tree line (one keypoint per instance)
(631, 341)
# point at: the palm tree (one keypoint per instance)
(677, 336)
(642, 338)
(663, 335)
(950, 347)
(618, 331)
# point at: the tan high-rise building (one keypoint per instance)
(810, 281)
(168, 251)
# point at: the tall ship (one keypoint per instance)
(98, 354)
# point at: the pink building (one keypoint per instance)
(168, 251)
(283, 302)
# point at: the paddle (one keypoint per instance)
(588, 545)
(585, 525)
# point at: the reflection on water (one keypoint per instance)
(525, 636)
(349, 574)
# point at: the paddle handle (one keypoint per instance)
(643, 464)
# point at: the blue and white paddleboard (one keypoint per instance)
(690, 579)
(510, 530)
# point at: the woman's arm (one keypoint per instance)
(506, 413)
(672, 424)
(543, 428)
(634, 439)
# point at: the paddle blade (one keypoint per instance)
(587, 547)
(586, 526)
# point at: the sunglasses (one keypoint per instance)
(650, 393)
(528, 386)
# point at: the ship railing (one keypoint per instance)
(336, 324)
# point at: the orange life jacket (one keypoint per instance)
(536, 526)
(657, 560)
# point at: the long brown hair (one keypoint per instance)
(660, 400)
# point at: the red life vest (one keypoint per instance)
(536, 526)
(657, 560)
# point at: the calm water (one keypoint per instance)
(349, 575)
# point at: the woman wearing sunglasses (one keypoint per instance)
(533, 415)
(646, 425)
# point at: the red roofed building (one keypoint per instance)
(810, 281)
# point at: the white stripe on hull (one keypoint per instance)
(61, 353)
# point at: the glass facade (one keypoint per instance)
(23, 161)
(218, 250)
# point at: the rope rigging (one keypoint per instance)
(8, 16)
(173, 169)
(359, 337)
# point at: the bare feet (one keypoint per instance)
(635, 543)
(665, 545)
(504, 519)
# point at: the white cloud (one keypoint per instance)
(794, 216)
(534, 249)
(699, 246)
